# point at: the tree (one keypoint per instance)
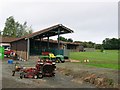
(62, 39)
(84, 44)
(111, 43)
(15, 29)
(30, 30)
(119, 43)
(0, 32)
(98, 46)
(23, 30)
(101, 49)
(88, 44)
(65, 39)
(70, 40)
(78, 41)
(9, 29)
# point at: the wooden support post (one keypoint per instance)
(40, 48)
(28, 48)
(58, 41)
(58, 38)
(48, 42)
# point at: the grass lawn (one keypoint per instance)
(108, 59)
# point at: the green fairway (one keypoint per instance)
(107, 59)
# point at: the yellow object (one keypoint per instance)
(52, 55)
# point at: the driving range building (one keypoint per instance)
(35, 44)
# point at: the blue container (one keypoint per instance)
(10, 61)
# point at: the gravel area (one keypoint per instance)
(59, 81)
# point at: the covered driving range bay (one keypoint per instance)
(38, 42)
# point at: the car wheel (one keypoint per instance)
(21, 75)
(35, 76)
(40, 76)
(62, 61)
(7, 55)
(57, 60)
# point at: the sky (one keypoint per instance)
(91, 20)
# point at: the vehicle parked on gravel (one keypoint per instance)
(8, 53)
(42, 68)
(51, 56)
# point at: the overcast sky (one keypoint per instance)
(90, 21)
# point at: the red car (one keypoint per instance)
(8, 53)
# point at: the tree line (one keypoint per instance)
(112, 44)
(107, 43)
(85, 44)
(65, 39)
(15, 29)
